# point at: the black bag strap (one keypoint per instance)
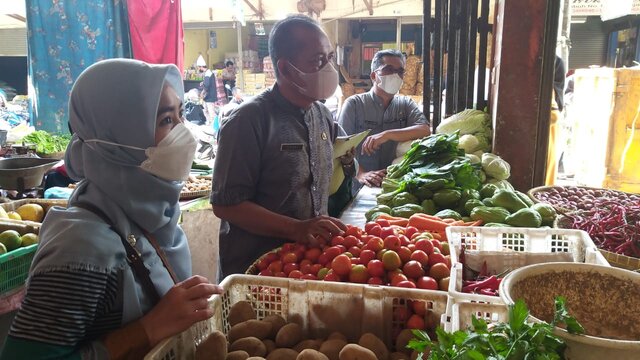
(133, 256)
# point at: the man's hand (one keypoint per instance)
(347, 159)
(372, 143)
(306, 231)
(372, 178)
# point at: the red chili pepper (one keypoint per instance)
(489, 283)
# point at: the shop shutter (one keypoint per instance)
(588, 46)
(13, 42)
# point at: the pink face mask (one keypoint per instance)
(320, 84)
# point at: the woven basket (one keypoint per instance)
(253, 269)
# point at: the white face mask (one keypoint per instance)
(171, 159)
(320, 85)
(391, 84)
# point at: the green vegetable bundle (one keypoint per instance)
(515, 340)
(47, 143)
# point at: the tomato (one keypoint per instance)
(309, 277)
(445, 248)
(322, 273)
(404, 241)
(337, 240)
(392, 242)
(406, 284)
(427, 283)
(350, 241)
(280, 274)
(401, 314)
(413, 269)
(376, 268)
(439, 271)
(331, 276)
(271, 257)
(436, 258)
(262, 264)
(436, 244)
(415, 322)
(342, 248)
(275, 266)
(295, 274)
(312, 254)
(350, 255)
(288, 247)
(383, 223)
(289, 267)
(305, 266)
(421, 257)
(289, 257)
(391, 260)
(333, 251)
(375, 230)
(356, 251)
(367, 255)
(359, 274)
(387, 231)
(444, 283)
(405, 254)
(265, 272)
(341, 265)
(398, 279)
(376, 244)
(324, 259)
(315, 269)
(419, 307)
(355, 261)
(368, 226)
(412, 247)
(375, 281)
(424, 245)
(353, 231)
(409, 231)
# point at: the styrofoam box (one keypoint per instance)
(319, 307)
(510, 248)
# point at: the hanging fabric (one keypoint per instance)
(64, 38)
(157, 36)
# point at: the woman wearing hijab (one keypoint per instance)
(112, 274)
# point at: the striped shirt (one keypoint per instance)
(69, 306)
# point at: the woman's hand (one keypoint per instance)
(183, 305)
(372, 178)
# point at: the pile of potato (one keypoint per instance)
(272, 338)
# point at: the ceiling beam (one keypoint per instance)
(258, 11)
(369, 4)
(17, 17)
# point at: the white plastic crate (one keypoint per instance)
(510, 248)
(319, 307)
(459, 314)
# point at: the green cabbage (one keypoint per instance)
(468, 121)
(495, 167)
(469, 143)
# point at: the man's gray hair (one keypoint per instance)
(282, 43)
(377, 58)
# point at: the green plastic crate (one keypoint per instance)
(14, 267)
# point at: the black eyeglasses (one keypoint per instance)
(390, 70)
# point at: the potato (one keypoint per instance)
(237, 355)
(289, 335)
(310, 354)
(307, 344)
(269, 344)
(331, 348)
(214, 347)
(374, 344)
(356, 352)
(240, 312)
(402, 340)
(277, 322)
(256, 328)
(337, 335)
(398, 356)
(252, 345)
(283, 354)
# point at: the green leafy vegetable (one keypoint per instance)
(47, 143)
(514, 340)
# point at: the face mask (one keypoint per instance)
(320, 84)
(171, 159)
(391, 84)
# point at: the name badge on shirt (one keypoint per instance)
(292, 147)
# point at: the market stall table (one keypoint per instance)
(353, 214)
